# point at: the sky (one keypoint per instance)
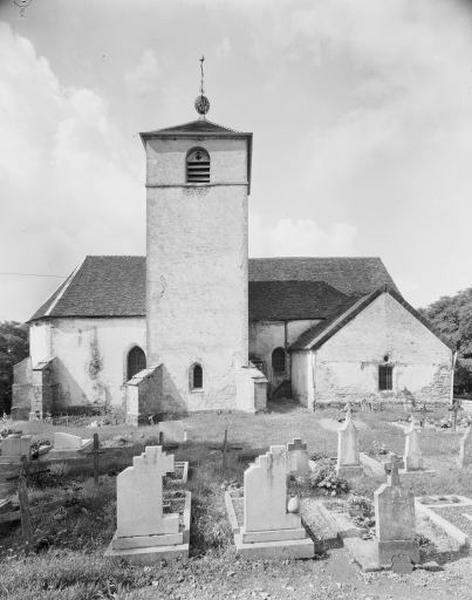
(361, 112)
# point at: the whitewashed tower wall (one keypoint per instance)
(197, 268)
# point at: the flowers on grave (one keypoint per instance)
(378, 449)
(324, 478)
(361, 510)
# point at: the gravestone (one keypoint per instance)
(144, 532)
(172, 432)
(66, 442)
(267, 529)
(15, 445)
(297, 457)
(395, 519)
(465, 452)
(413, 459)
(348, 463)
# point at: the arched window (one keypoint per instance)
(385, 377)
(136, 362)
(278, 360)
(196, 377)
(198, 166)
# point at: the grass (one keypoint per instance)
(69, 541)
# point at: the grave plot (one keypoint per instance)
(151, 523)
(265, 523)
(180, 474)
(451, 513)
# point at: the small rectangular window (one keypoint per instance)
(385, 377)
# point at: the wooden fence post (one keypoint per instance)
(225, 447)
(96, 452)
(24, 506)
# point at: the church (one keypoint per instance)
(198, 325)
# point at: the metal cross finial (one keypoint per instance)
(202, 72)
(202, 104)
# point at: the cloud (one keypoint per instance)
(144, 77)
(223, 49)
(299, 237)
(69, 181)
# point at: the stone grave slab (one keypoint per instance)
(172, 432)
(264, 528)
(66, 444)
(145, 532)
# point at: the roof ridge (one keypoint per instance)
(311, 257)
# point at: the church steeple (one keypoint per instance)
(202, 104)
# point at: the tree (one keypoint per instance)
(14, 347)
(452, 317)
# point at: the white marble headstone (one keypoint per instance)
(140, 496)
(265, 493)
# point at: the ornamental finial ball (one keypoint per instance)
(202, 105)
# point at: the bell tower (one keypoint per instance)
(197, 182)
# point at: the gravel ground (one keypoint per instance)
(336, 578)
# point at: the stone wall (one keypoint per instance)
(90, 357)
(346, 366)
(22, 389)
(265, 336)
(251, 389)
(143, 395)
(197, 277)
(302, 377)
(44, 387)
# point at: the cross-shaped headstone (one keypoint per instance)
(391, 469)
(140, 495)
(455, 408)
(348, 409)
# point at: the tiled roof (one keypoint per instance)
(350, 275)
(280, 288)
(316, 336)
(103, 286)
(288, 300)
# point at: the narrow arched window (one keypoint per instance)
(198, 166)
(136, 362)
(278, 360)
(196, 377)
(385, 377)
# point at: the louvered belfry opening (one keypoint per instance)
(198, 166)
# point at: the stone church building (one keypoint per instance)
(197, 325)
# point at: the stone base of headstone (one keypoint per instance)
(349, 471)
(372, 555)
(150, 549)
(387, 550)
(404, 473)
(281, 543)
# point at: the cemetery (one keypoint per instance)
(276, 503)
